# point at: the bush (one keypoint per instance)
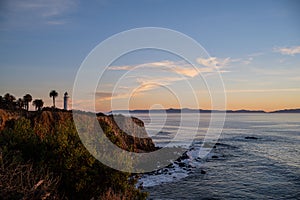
(56, 163)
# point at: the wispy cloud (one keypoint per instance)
(22, 13)
(105, 96)
(180, 67)
(264, 90)
(143, 84)
(288, 50)
(222, 64)
(278, 72)
(146, 86)
(247, 61)
(153, 83)
(140, 86)
(213, 62)
(294, 78)
(175, 71)
(43, 7)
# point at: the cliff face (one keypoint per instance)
(129, 132)
(6, 116)
(41, 154)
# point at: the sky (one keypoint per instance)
(254, 46)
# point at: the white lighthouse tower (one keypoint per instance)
(66, 97)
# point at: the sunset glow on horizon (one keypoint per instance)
(254, 46)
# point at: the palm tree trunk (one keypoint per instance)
(53, 101)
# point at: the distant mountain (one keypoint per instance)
(245, 111)
(186, 110)
(287, 111)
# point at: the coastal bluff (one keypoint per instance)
(43, 157)
(128, 132)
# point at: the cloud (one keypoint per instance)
(179, 67)
(153, 83)
(247, 61)
(278, 72)
(33, 12)
(213, 62)
(264, 90)
(288, 50)
(124, 67)
(105, 96)
(142, 85)
(146, 87)
(176, 71)
(166, 65)
(295, 78)
(143, 80)
(44, 8)
(56, 22)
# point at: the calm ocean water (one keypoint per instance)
(257, 157)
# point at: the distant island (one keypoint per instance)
(287, 111)
(188, 110)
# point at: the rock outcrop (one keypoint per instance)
(130, 132)
(6, 116)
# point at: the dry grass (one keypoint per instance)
(111, 195)
(22, 181)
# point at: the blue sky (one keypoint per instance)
(256, 43)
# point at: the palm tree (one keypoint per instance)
(27, 98)
(6, 97)
(9, 101)
(20, 103)
(9, 98)
(53, 94)
(38, 103)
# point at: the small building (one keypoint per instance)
(66, 97)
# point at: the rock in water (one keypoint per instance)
(251, 138)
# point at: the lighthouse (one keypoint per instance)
(66, 101)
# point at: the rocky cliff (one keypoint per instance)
(129, 132)
(43, 157)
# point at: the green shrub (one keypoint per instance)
(60, 157)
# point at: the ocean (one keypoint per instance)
(257, 156)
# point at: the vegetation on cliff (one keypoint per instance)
(42, 157)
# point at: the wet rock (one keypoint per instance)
(190, 166)
(183, 157)
(251, 138)
(202, 171)
(181, 164)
